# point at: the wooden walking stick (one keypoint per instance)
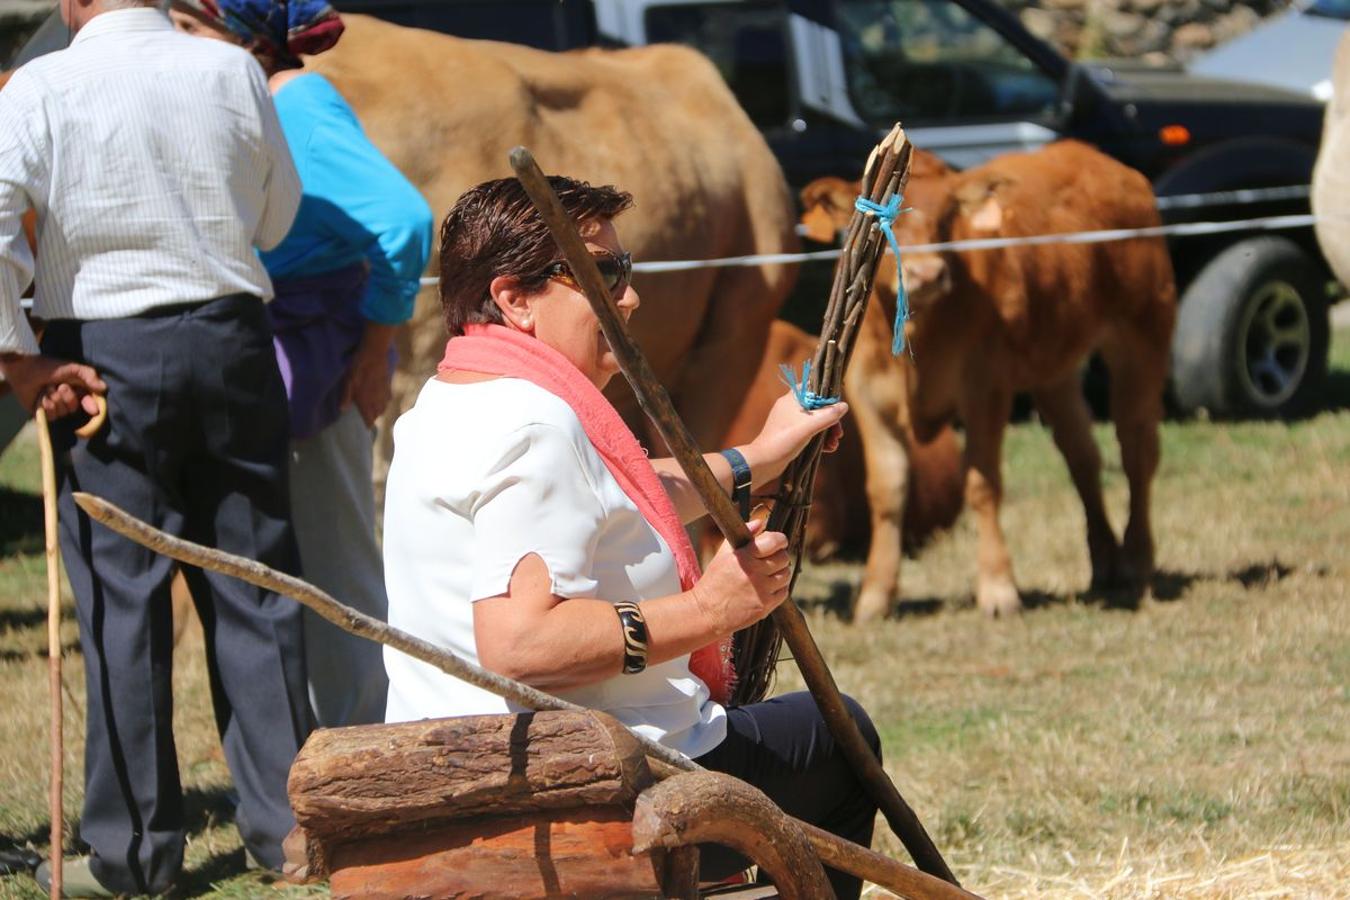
(656, 403)
(57, 737)
(834, 851)
(54, 786)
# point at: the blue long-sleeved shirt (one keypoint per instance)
(356, 204)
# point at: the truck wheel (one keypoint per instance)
(1252, 333)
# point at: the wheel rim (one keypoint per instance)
(1277, 341)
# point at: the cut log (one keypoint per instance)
(382, 780)
(579, 853)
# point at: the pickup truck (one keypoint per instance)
(824, 78)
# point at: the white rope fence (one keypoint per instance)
(1174, 201)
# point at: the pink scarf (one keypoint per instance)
(497, 350)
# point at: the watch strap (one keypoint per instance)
(740, 481)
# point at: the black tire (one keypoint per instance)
(1252, 333)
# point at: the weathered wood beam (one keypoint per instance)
(348, 783)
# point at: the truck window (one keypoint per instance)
(931, 60)
(746, 41)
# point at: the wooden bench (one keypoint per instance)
(533, 805)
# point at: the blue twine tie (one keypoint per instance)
(885, 216)
(808, 398)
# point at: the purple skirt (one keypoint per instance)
(317, 326)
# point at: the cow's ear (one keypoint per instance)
(979, 202)
(827, 205)
(989, 215)
(819, 225)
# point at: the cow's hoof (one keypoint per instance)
(871, 606)
(1106, 566)
(999, 599)
(1136, 569)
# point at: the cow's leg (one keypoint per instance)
(1064, 410)
(886, 460)
(1138, 366)
(985, 409)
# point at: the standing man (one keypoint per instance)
(156, 164)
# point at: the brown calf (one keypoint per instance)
(987, 324)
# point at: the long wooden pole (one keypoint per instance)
(656, 403)
(834, 851)
(54, 784)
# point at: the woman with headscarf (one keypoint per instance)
(345, 278)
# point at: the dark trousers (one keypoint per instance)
(783, 747)
(196, 444)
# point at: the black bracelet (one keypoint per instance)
(634, 626)
(740, 481)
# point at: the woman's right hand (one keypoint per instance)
(740, 587)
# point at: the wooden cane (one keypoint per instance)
(57, 735)
(53, 647)
(834, 851)
(656, 403)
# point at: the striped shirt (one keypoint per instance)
(155, 163)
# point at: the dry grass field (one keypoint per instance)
(1195, 746)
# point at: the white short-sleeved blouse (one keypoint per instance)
(484, 474)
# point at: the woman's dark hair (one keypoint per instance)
(493, 229)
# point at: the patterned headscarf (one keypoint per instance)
(282, 28)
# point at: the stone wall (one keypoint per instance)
(1158, 32)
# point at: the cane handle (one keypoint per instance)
(90, 428)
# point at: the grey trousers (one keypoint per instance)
(333, 507)
(195, 444)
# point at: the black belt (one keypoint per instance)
(176, 309)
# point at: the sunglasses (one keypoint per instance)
(615, 271)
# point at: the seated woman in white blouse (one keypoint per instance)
(526, 530)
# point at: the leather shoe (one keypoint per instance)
(77, 879)
(14, 860)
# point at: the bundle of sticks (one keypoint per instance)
(757, 648)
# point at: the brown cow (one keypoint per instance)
(658, 121)
(837, 519)
(986, 324)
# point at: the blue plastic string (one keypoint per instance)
(808, 398)
(885, 216)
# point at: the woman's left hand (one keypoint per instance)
(789, 428)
